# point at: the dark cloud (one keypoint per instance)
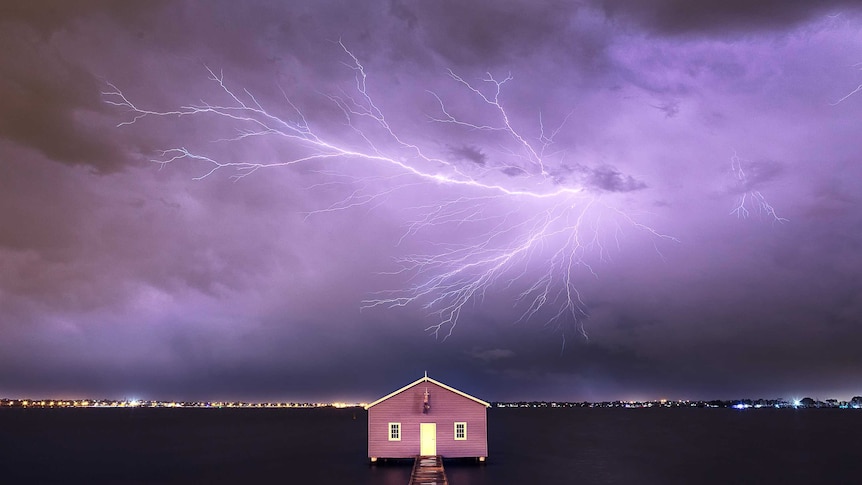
(490, 355)
(717, 17)
(610, 179)
(47, 16)
(118, 276)
(513, 171)
(52, 101)
(602, 178)
(47, 100)
(469, 153)
(485, 33)
(669, 108)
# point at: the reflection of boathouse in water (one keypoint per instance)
(427, 418)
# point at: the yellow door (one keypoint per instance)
(427, 439)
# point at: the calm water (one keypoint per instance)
(527, 446)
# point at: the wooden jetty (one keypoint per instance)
(428, 470)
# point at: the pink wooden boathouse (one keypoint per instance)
(427, 418)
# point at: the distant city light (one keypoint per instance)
(737, 404)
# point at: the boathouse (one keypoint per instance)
(427, 418)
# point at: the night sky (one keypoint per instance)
(672, 211)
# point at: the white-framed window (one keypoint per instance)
(461, 431)
(394, 431)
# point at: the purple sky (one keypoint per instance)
(123, 278)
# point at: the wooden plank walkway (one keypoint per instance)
(428, 470)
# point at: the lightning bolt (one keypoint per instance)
(750, 198)
(523, 231)
(858, 66)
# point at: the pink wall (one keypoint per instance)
(447, 408)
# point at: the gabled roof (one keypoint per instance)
(428, 379)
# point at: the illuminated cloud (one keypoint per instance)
(117, 275)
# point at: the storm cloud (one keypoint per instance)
(121, 276)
